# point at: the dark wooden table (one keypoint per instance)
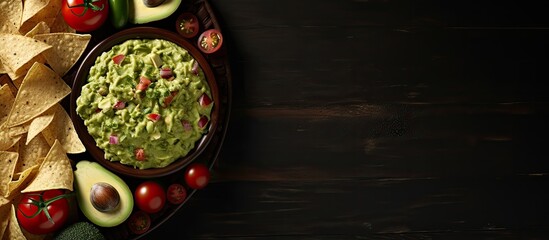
(380, 119)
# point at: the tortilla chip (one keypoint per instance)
(6, 101)
(41, 89)
(22, 71)
(17, 82)
(31, 8)
(55, 172)
(10, 17)
(59, 25)
(23, 180)
(7, 141)
(2, 68)
(13, 231)
(8, 160)
(67, 49)
(46, 14)
(21, 50)
(18, 130)
(32, 153)
(4, 213)
(40, 28)
(40, 123)
(62, 129)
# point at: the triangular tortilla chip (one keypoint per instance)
(24, 179)
(6, 101)
(40, 123)
(32, 154)
(67, 49)
(13, 231)
(40, 28)
(31, 8)
(62, 129)
(21, 50)
(5, 208)
(59, 25)
(7, 141)
(10, 19)
(46, 14)
(54, 173)
(41, 89)
(8, 160)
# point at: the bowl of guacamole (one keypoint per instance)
(144, 102)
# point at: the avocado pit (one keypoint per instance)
(152, 3)
(104, 197)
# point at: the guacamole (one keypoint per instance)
(146, 103)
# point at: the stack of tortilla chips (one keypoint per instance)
(37, 48)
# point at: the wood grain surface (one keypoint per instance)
(380, 120)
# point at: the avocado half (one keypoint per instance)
(139, 13)
(85, 176)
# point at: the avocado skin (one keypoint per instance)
(86, 175)
(140, 14)
(80, 230)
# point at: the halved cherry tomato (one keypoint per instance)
(210, 41)
(187, 25)
(85, 15)
(139, 154)
(139, 222)
(197, 176)
(176, 193)
(150, 197)
(43, 212)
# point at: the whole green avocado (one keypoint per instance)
(80, 230)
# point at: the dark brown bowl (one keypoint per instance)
(80, 80)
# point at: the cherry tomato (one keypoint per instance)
(197, 176)
(85, 15)
(187, 25)
(139, 222)
(150, 197)
(43, 212)
(210, 41)
(176, 193)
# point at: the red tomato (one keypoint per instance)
(210, 41)
(169, 99)
(43, 212)
(197, 176)
(140, 154)
(150, 197)
(176, 193)
(118, 58)
(139, 222)
(153, 117)
(187, 25)
(143, 84)
(85, 15)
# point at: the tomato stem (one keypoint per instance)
(87, 4)
(43, 205)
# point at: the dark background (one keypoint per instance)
(380, 119)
